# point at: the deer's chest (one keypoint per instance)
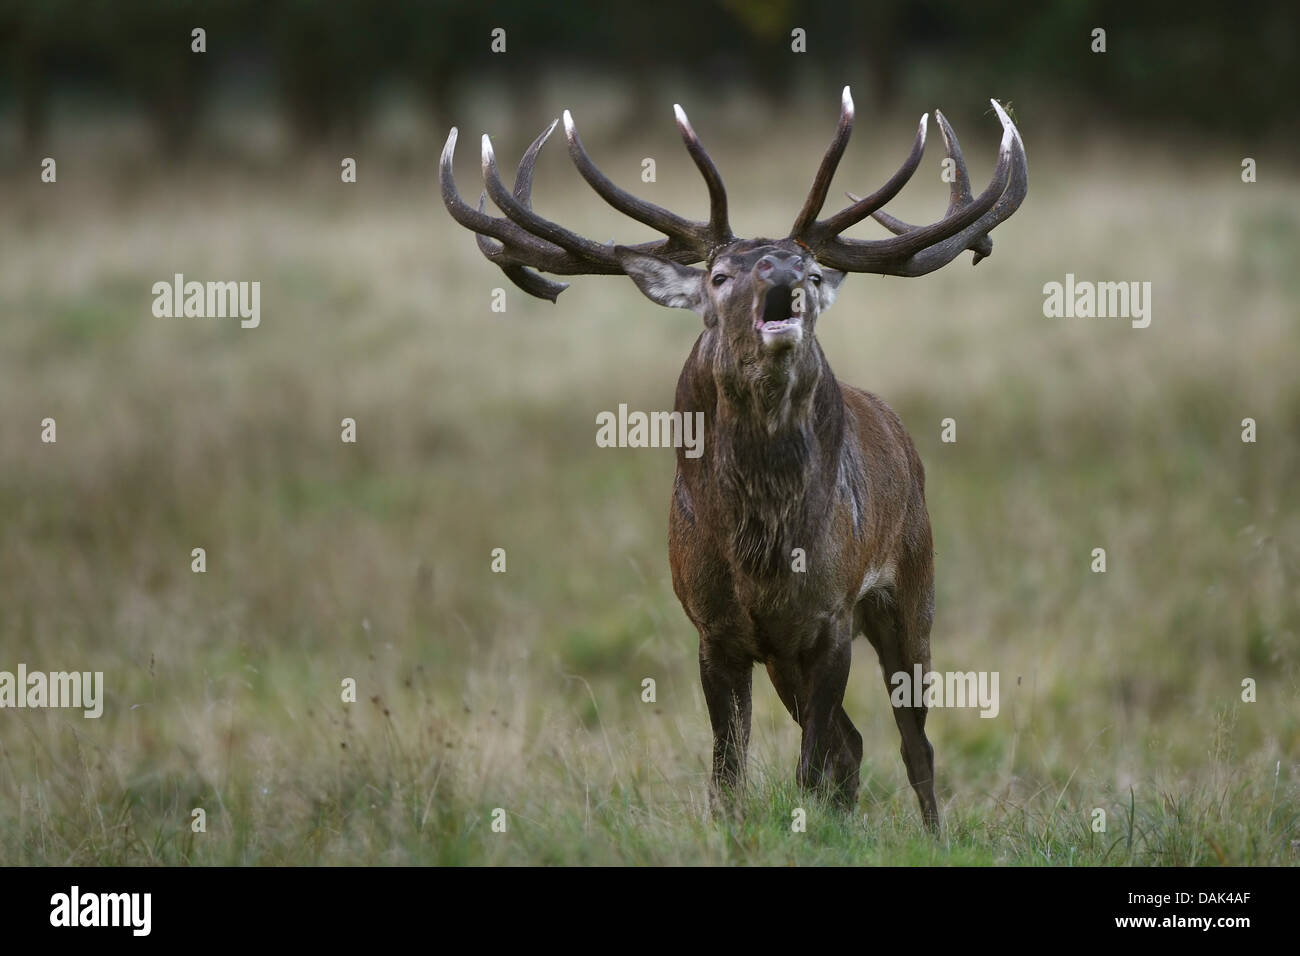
(775, 616)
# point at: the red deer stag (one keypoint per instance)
(793, 459)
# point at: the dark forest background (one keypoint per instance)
(1200, 65)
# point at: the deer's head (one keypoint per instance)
(762, 296)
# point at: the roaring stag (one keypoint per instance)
(803, 524)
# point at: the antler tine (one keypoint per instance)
(526, 242)
(918, 250)
(673, 226)
(523, 215)
(719, 228)
(528, 280)
(958, 194)
(826, 171)
(862, 208)
(527, 165)
(503, 230)
(523, 189)
(976, 236)
(488, 247)
(534, 284)
(868, 255)
(470, 218)
(959, 191)
(516, 249)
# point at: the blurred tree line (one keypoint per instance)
(1203, 64)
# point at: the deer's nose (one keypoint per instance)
(779, 271)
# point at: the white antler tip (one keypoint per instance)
(944, 129)
(1008, 127)
(683, 124)
(1009, 132)
(923, 127)
(488, 154)
(568, 124)
(846, 101)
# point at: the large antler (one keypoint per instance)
(526, 242)
(914, 250)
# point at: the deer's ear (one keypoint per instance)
(829, 287)
(664, 281)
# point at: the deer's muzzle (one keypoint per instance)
(778, 312)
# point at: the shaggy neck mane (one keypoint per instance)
(775, 454)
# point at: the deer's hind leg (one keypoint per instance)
(899, 630)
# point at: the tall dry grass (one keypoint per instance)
(476, 431)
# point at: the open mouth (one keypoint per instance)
(774, 317)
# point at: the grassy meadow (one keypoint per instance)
(476, 430)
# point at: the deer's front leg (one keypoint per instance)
(727, 681)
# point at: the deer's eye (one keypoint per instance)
(720, 278)
(815, 279)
